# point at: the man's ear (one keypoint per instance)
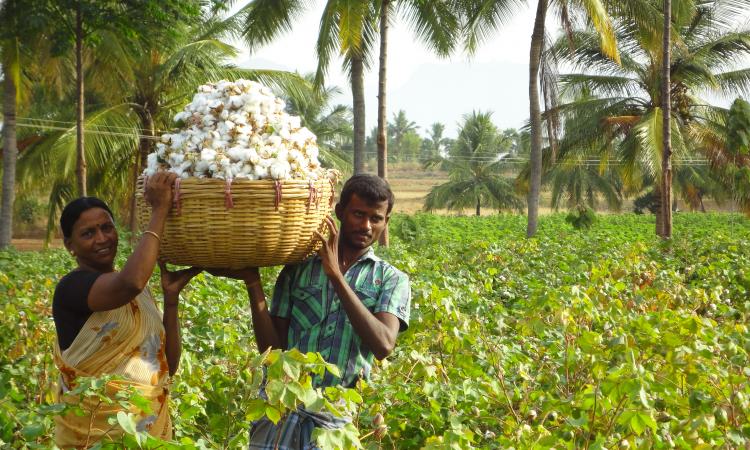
(66, 243)
(339, 211)
(387, 218)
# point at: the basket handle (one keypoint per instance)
(313, 197)
(277, 198)
(333, 192)
(176, 199)
(228, 202)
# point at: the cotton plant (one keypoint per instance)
(235, 130)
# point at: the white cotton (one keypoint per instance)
(176, 159)
(237, 129)
(151, 160)
(208, 154)
(260, 172)
(279, 170)
(237, 153)
(274, 141)
(265, 153)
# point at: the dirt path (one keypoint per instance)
(33, 245)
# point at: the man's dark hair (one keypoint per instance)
(74, 209)
(368, 187)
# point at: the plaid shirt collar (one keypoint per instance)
(369, 254)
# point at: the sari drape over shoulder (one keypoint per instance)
(128, 342)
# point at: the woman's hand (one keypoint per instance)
(329, 251)
(158, 191)
(172, 283)
(250, 275)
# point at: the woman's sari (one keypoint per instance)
(127, 342)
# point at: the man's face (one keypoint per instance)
(361, 222)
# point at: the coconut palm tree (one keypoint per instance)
(436, 24)
(435, 143)
(21, 26)
(621, 119)
(400, 127)
(474, 165)
(484, 16)
(9, 51)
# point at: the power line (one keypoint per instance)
(510, 160)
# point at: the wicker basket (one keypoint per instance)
(248, 223)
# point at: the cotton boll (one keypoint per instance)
(274, 141)
(312, 152)
(178, 140)
(285, 134)
(279, 170)
(264, 152)
(237, 154)
(208, 121)
(252, 156)
(201, 166)
(208, 154)
(260, 171)
(151, 160)
(295, 156)
(294, 122)
(176, 159)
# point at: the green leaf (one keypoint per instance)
(273, 414)
(126, 422)
(255, 409)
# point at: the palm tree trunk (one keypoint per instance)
(81, 157)
(144, 148)
(10, 154)
(358, 97)
(479, 206)
(659, 210)
(382, 138)
(666, 161)
(535, 57)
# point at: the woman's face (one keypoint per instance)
(94, 240)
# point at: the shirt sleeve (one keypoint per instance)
(395, 298)
(72, 292)
(281, 303)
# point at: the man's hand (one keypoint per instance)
(172, 283)
(329, 251)
(250, 275)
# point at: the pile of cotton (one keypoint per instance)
(237, 130)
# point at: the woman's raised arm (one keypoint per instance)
(114, 289)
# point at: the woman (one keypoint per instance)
(107, 321)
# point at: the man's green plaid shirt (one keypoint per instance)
(318, 323)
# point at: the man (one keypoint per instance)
(345, 303)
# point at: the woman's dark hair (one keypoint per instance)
(74, 209)
(368, 187)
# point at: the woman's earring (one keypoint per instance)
(72, 253)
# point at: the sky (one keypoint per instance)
(427, 88)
